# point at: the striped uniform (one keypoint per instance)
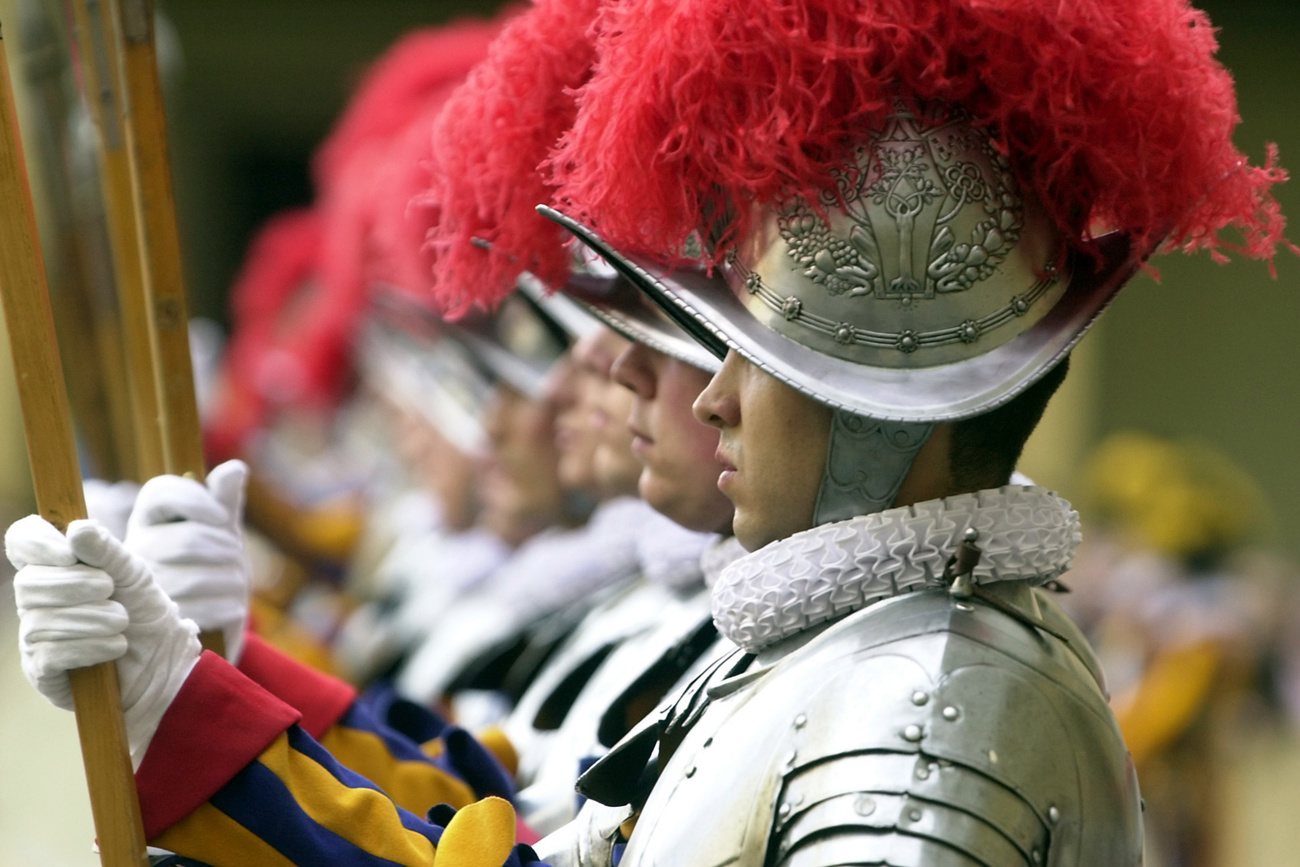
(234, 777)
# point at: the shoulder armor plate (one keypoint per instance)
(921, 725)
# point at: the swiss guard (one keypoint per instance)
(909, 213)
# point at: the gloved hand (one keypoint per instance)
(84, 599)
(191, 536)
(110, 503)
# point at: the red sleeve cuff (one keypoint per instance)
(219, 723)
(322, 700)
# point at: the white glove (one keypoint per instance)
(191, 536)
(84, 599)
(110, 503)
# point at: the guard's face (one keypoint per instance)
(521, 487)
(617, 468)
(570, 390)
(579, 388)
(679, 467)
(442, 468)
(772, 446)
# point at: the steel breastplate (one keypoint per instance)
(891, 729)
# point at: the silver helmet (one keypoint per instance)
(926, 287)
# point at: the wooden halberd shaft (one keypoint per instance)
(105, 97)
(132, 68)
(51, 449)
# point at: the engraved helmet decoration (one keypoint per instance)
(926, 287)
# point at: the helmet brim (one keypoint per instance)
(708, 310)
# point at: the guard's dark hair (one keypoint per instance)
(985, 448)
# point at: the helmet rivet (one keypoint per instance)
(950, 713)
(912, 733)
(792, 307)
(753, 282)
(845, 333)
(1019, 305)
(969, 331)
(919, 698)
(907, 341)
(800, 721)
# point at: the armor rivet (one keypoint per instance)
(923, 773)
(864, 806)
(690, 772)
(993, 756)
(919, 698)
(912, 733)
(950, 713)
(1053, 815)
(784, 811)
(800, 721)
(1036, 856)
(915, 815)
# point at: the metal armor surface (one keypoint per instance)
(632, 610)
(617, 689)
(923, 730)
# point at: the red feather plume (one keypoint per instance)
(1114, 112)
(489, 142)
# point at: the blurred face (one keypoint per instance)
(679, 468)
(448, 473)
(772, 446)
(595, 447)
(567, 392)
(521, 489)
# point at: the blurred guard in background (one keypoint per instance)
(1193, 623)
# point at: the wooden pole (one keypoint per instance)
(52, 451)
(81, 316)
(105, 97)
(159, 238)
(158, 234)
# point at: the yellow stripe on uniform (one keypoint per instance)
(364, 817)
(413, 785)
(480, 835)
(214, 838)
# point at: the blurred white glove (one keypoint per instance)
(84, 599)
(110, 503)
(191, 536)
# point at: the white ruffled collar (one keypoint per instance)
(1025, 534)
